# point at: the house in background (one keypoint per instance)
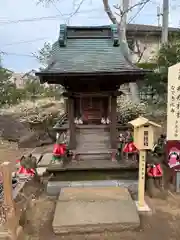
(20, 79)
(144, 41)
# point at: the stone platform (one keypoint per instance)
(45, 162)
(89, 210)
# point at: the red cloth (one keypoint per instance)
(155, 171)
(129, 148)
(59, 149)
(28, 172)
(22, 170)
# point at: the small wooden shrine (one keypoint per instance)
(90, 64)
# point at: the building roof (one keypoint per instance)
(140, 121)
(83, 50)
(148, 28)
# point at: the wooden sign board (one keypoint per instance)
(173, 104)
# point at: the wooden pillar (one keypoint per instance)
(113, 114)
(72, 127)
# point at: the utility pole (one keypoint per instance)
(165, 21)
(158, 15)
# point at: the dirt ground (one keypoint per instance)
(10, 152)
(163, 224)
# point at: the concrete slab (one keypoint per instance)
(93, 194)
(45, 160)
(95, 210)
(54, 190)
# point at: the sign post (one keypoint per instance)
(12, 222)
(173, 119)
(144, 140)
(173, 104)
(141, 182)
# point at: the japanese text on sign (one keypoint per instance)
(143, 167)
(146, 138)
(173, 110)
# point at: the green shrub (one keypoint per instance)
(127, 110)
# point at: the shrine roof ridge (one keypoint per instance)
(88, 32)
(85, 50)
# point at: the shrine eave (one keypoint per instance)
(47, 76)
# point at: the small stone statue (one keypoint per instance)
(129, 147)
(103, 120)
(107, 121)
(28, 165)
(80, 121)
(121, 141)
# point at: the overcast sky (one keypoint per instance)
(19, 39)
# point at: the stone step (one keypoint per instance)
(93, 137)
(54, 187)
(104, 142)
(92, 128)
(90, 210)
(93, 152)
(92, 131)
(93, 148)
(93, 155)
(93, 145)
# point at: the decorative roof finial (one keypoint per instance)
(115, 35)
(63, 35)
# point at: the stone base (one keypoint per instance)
(143, 209)
(89, 210)
(41, 171)
(54, 187)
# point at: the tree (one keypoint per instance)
(123, 11)
(43, 55)
(168, 55)
(7, 89)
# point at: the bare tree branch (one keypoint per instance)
(142, 2)
(110, 14)
(118, 7)
(139, 52)
(77, 9)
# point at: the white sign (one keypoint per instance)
(173, 106)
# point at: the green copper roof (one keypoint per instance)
(88, 49)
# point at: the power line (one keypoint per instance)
(57, 8)
(35, 19)
(17, 54)
(138, 12)
(29, 20)
(24, 42)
